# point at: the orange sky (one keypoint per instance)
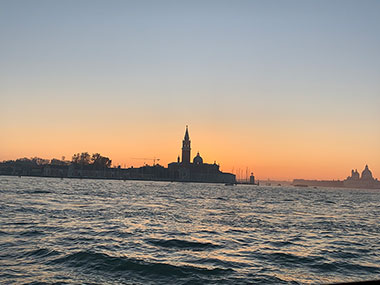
(268, 153)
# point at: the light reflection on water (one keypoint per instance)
(99, 231)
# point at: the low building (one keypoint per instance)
(318, 183)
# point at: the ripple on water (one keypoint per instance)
(104, 262)
(32, 233)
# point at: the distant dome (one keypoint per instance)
(198, 159)
(367, 174)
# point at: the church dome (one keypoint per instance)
(367, 174)
(198, 159)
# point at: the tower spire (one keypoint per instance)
(186, 147)
(187, 134)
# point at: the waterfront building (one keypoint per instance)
(365, 180)
(252, 179)
(196, 171)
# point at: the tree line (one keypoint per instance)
(96, 160)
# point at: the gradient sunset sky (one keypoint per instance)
(289, 89)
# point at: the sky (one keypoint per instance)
(288, 89)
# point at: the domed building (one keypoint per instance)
(363, 181)
(196, 171)
(366, 180)
(198, 160)
(354, 175)
(366, 174)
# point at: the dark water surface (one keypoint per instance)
(115, 232)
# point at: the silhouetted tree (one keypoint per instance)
(100, 161)
(40, 161)
(81, 158)
(25, 162)
(55, 161)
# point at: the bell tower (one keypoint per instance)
(186, 148)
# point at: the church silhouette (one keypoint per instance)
(196, 171)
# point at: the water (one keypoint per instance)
(125, 232)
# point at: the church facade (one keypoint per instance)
(197, 170)
(365, 180)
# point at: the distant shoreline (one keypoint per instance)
(115, 179)
(198, 182)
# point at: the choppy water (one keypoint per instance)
(99, 232)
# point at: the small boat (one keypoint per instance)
(229, 184)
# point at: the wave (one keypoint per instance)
(31, 233)
(182, 244)
(41, 192)
(346, 267)
(288, 259)
(320, 263)
(38, 191)
(281, 243)
(2, 233)
(42, 252)
(104, 262)
(219, 262)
